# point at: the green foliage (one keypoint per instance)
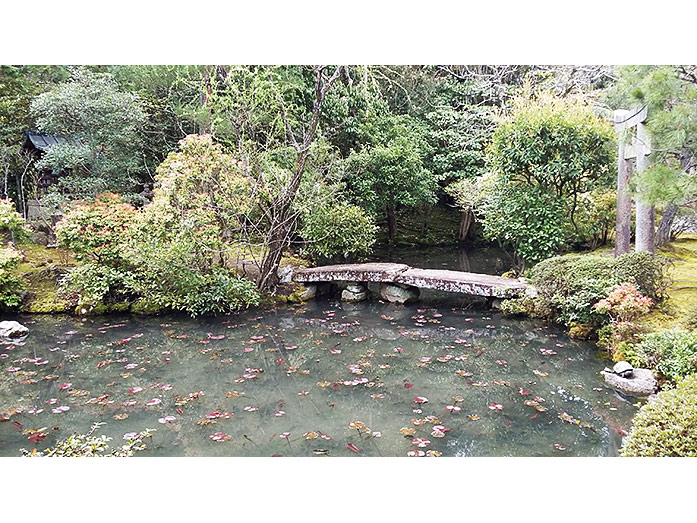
(666, 426)
(673, 352)
(529, 221)
(338, 230)
(647, 272)
(102, 123)
(558, 145)
(543, 157)
(390, 170)
(89, 445)
(96, 283)
(571, 285)
(12, 226)
(95, 231)
(11, 285)
(595, 218)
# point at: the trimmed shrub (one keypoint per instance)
(672, 352)
(666, 426)
(571, 285)
(338, 230)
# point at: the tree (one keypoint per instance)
(102, 124)
(545, 155)
(670, 94)
(389, 171)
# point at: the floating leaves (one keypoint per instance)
(220, 436)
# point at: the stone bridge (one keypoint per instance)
(400, 283)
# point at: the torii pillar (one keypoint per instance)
(645, 214)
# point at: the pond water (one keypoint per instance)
(324, 378)
(481, 259)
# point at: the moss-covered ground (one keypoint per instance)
(680, 306)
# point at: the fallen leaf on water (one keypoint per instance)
(352, 447)
(220, 436)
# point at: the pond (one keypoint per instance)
(324, 378)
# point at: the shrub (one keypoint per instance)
(11, 286)
(95, 231)
(95, 283)
(666, 426)
(89, 445)
(647, 272)
(529, 221)
(623, 303)
(571, 285)
(673, 352)
(342, 229)
(12, 226)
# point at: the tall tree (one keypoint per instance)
(102, 124)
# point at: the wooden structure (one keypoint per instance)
(639, 150)
(35, 146)
(400, 274)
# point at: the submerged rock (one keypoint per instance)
(642, 382)
(11, 331)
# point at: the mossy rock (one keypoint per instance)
(146, 307)
(581, 331)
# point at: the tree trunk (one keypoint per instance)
(465, 223)
(664, 228)
(663, 233)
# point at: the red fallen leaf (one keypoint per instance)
(335, 386)
(280, 361)
(534, 416)
(56, 428)
(479, 352)
(523, 392)
(18, 424)
(179, 411)
(36, 437)
(332, 404)
(276, 455)
(408, 385)
(352, 447)
(281, 405)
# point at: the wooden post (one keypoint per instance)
(623, 225)
(645, 213)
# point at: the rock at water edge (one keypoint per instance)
(11, 330)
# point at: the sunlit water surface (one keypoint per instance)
(295, 381)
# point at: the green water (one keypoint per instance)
(323, 365)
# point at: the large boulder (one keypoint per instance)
(398, 293)
(12, 331)
(642, 382)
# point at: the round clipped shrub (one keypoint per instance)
(666, 426)
(341, 229)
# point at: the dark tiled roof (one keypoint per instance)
(43, 141)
